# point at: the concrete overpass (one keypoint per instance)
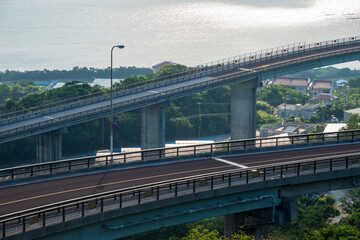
(242, 73)
(118, 203)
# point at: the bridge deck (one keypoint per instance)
(32, 195)
(44, 123)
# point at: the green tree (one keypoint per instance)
(5, 92)
(313, 214)
(263, 118)
(353, 122)
(277, 94)
(335, 233)
(351, 201)
(264, 106)
(201, 233)
(354, 82)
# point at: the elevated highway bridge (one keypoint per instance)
(243, 73)
(200, 181)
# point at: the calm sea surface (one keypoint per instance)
(61, 34)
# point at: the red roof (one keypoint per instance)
(322, 84)
(324, 97)
(291, 81)
(163, 64)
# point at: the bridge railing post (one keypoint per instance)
(120, 200)
(331, 165)
(24, 224)
(63, 214)
(264, 174)
(158, 193)
(212, 182)
(82, 209)
(298, 169)
(176, 189)
(4, 229)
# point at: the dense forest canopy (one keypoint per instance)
(77, 73)
(328, 73)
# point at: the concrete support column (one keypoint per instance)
(231, 224)
(287, 211)
(49, 146)
(153, 126)
(243, 110)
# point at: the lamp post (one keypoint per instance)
(111, 100)
(199, 103)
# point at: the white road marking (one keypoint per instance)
(229, 162)
(247, 69)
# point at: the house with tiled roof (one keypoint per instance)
(325, 98)
(159, 66)
(321, 86)
(350, 112)
(298, 84)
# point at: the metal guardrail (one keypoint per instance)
(41, 217)
(210, 149)
(193, 87)
(210, 68)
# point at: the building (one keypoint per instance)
(350, 112)
(308, 110)
(288, 128)
(298, 84)
(104, 82)
(287, 110)
(325, 98)
(321, 86)
(340, 83)
(159, 66)
(334, 127)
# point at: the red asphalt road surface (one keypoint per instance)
(22, 197)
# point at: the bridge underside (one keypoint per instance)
(190, 211)
(183, 209)
(299, 67)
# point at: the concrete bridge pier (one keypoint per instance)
(49, 146)
(231, 224)
(153, 127)
(243, 110)
(287, 211)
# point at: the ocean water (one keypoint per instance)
(61, 34)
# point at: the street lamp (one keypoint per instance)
(111, 100)
(199, 103)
